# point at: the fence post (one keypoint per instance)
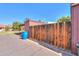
(58, 40)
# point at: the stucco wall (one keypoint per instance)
(75, 27)
(29, 23)
(26, 26)
(33, 23)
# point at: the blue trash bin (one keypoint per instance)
(24, 35)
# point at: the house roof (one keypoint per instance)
(2, 26)
(74, 4)
(35, 21)
(51, 22)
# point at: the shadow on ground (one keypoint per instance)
(18, 33)
(59, 50)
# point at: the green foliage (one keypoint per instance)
(7, 28)
(16, 26)
(64, 19)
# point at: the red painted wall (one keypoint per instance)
(32, 23)
(26, 26)
(75, 26)
(29, 23)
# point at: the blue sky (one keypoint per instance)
(45, 12)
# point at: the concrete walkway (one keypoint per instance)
(13, 45)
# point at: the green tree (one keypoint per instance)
(16, 26)
(7, 28)
(64, 19)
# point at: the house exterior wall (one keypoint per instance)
(22, 27)
(29, 23)
(2, 27)
(75, 26)
(26, 26)
(33, 23)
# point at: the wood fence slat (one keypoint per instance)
(57, 34)
(57, 37)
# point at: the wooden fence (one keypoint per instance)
(57, 34)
